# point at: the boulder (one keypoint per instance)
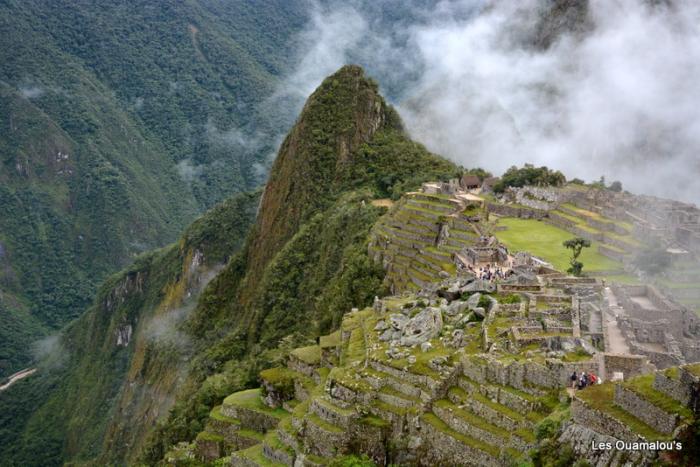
(473, 301)
(458, 338)
(480, 312)
(398, 321)
(390, 335)
(426, 346)
(421, 328)
(479, 286)
(456, 307)
(437, 363)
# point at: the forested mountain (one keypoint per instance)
(141, 370)
(119, 123)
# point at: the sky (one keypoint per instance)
(617, 98)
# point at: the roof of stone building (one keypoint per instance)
(469, 180)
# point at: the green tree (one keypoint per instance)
(529, 175)
(615, 186)
(576, 245)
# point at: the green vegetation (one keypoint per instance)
(601, 397)
(121, 124)
(546, 241)
(281, 379)
(529, 175)
(644, 387)
(576, 245)
(310, 354)
(84, 368)
(469, 441)
(251, 399)
(353, 461)
(509, 299)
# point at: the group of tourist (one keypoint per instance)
(580, 381)
(488, 273)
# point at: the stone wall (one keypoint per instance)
(325, 443)
(601, 422)
(673, 388)
(629, 365)
(650, 414)
(332, 415)
(581, 438)
(612, 254)
(658, 359)
(515, 211)
(279, 456)
(304, 368)
(240, 461)
(442, 449)
(251, 419)
(458, 424)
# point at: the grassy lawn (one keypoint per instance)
(251, 399)
(545, 241)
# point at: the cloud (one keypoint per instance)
(188, 171)
(49, 352)
(31, 92)
(324, 46)
(165, 329)
(619, 100)
(232, 138)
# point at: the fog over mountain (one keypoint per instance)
(616, 98)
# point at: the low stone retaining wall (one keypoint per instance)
(443, 449)
(517, 288)
(653, 416)
(460, 425)
(327, 412)
(412, 378)
(487, 413)
(251, 419)
(612, 254)
(297, 365)
(581, 438)
(601, 422)
(209, 449)
(515, 211)
(240, 461)
(280, 456)
(628, 365)
(325, 443)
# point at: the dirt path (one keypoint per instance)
(18, 376)
(616, 341)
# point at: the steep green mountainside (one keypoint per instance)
(119, 123)
(132, 331)
(346, 149)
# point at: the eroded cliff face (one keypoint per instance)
(125, 358)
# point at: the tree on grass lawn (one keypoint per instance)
(576, 245)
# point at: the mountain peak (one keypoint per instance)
(344, 112)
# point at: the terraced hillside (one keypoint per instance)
(440, 403)
(417, 240)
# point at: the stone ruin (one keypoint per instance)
(458, 374)
(657, 327)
